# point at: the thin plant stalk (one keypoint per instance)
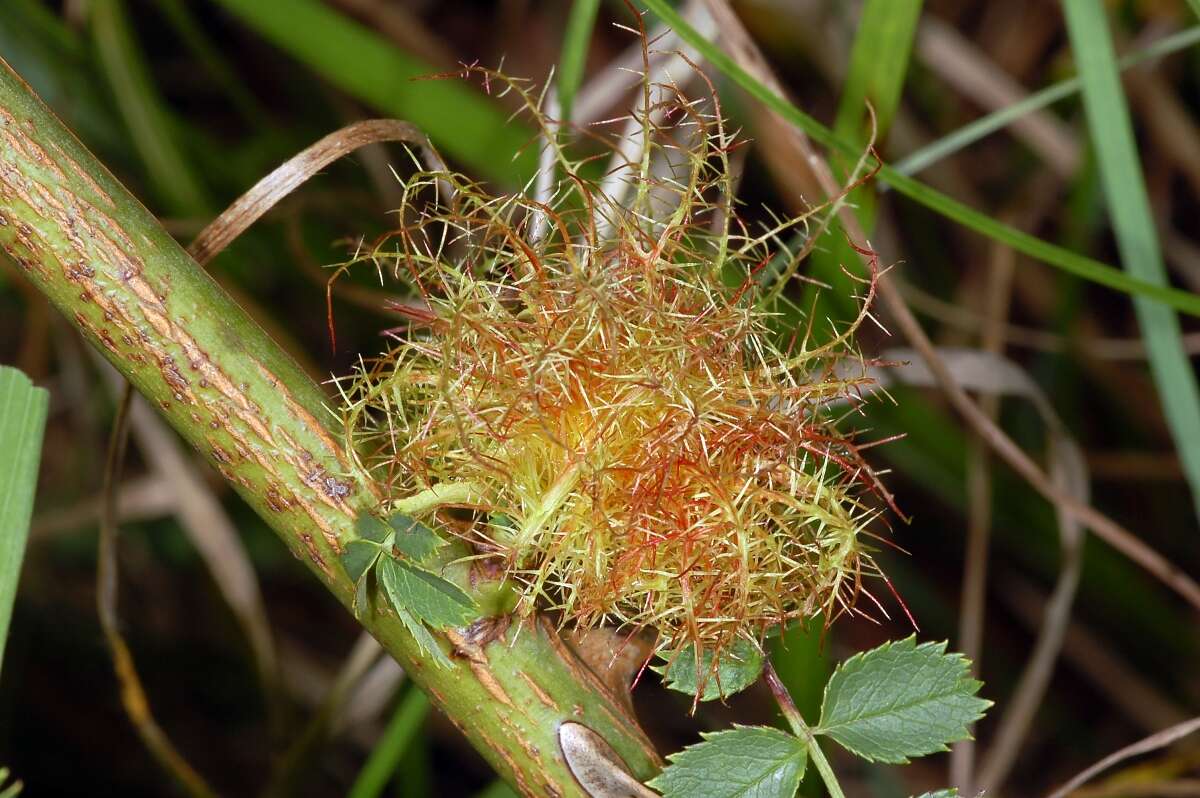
(801, 729)
(133, 696)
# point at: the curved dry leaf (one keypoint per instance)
(287, 177)
(614, 657)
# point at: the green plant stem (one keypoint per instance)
(822, 765)
(238, 398)
(802, 730)
(444, 493)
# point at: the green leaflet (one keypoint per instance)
(426, 595)
(400, 533)
(424, 638)
(407, 535)
(413, 539)
(901, 700)
(22, 422)
(897, 701)
(737, 669)
(358, 558)
(743, 762)
(419, 597)
(372, 528)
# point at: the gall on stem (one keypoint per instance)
(640, 444)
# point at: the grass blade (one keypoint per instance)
(401, 730)
(179, 16)
(140, 104)
(22, 420)
(464, 124)
(574, 52)
(878, 65)
(1071, 262)
(1133, 224)
(967, 135)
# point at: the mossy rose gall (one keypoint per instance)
(593, 380)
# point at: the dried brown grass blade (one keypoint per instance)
(1152, 743)
(287, 177)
